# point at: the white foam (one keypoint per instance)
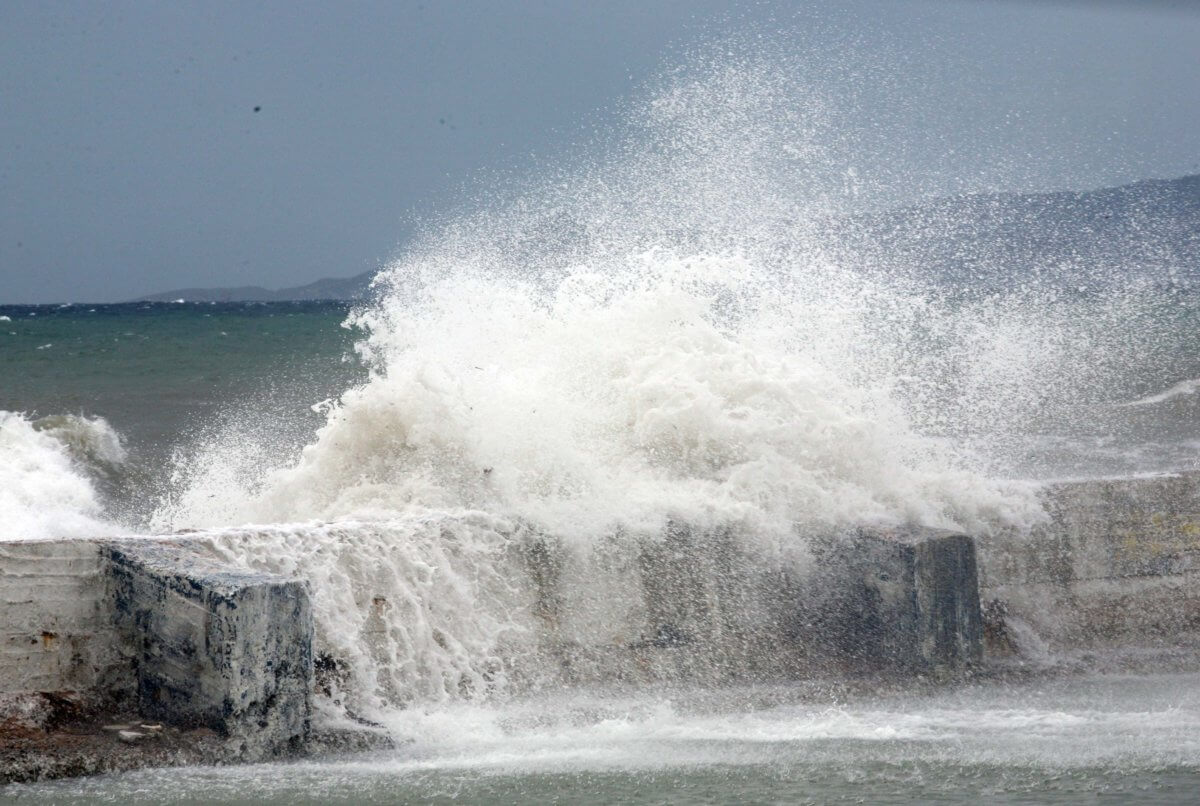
(1050, 727)
(629, 400)
(45, 490)
(427, 608)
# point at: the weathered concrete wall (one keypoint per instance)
(153, 624)
(193, 641)
(684, 605)
(214, 645)
(716, 610)
(711, 606)
(1117, 565)
(903, 599)
(56, 629)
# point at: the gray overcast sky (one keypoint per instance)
(133, 160)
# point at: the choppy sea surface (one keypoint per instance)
(122, 390)
(157, 371)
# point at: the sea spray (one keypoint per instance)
(49, 468)
(654, 340)
(422, 609)
(686, 391)
(658, 334)
(594, 419)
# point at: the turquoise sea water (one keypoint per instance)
(157, 370)
(166, 376)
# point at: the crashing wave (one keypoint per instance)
(47, 472)
(654, 340)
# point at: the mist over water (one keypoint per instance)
(1119, 739)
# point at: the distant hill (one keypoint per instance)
(348, 288)
(976, 242)
(1092, 239)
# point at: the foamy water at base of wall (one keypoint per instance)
(1129, 737)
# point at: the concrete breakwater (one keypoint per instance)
(193, 659)
(187, 659)
(1116, 566)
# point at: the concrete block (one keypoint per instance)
(716, 605)
(1117, 564)
(215, 646)
(55, 631)
(903, 599)
(684, 605)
